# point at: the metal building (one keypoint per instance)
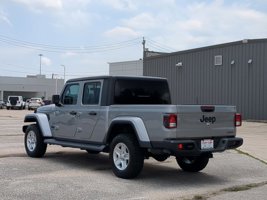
(233, 73)
(30, 86)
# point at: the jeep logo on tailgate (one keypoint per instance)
(207, 119)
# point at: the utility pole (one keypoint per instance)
(40, 63)
(64, 72)
(144, 47)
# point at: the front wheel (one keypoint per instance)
(34, 142)
(193, 163)
(126, 156)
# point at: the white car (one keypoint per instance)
(35, 103)
(27, 102)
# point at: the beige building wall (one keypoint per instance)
(31, 86)
(127, 68)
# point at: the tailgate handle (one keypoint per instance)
(207, 108)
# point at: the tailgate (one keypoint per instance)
(196, 121)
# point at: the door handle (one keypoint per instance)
(92, 113)
(73, 113)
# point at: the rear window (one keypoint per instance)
(35, 100)
(141, 92)
(13, 98)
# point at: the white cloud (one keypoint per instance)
(141, 21)
(40, 5)
(4, 18)
(206, 23)
(46, 61)
(122, 32)
(69, 54)
(120, 4)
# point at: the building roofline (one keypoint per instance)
(128, 61)
(240, 42)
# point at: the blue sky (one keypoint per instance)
(84, 35)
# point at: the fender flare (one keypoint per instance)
(42, 121)
(139, 128)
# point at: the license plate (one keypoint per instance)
(207, 144)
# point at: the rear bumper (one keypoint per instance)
(13, 106)
(193, 147)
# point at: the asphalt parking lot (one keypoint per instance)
(66, 173)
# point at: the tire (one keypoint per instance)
(126, 157)
(92, 151)
(34, 142)
(192, 164)
(7, 108)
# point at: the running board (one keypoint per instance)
(75, 145)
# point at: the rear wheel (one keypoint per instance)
(126, 156)
(193, 163)
(34, 142)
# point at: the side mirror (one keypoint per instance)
(56, 99)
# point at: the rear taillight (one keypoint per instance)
(170, 120)
(238, 119)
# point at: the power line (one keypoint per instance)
(70, 47)
(104, 47)
(159, 45)
(63, 49)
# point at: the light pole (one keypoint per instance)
(40, 63)
(55, 76)
(64, 72)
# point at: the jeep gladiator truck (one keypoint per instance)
(131, 118)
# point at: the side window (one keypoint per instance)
(70, 94)
(141, 92)
(91, 93)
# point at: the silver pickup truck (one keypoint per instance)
(131, 118)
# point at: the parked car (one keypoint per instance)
(15, 102)
(35, 103)
(27, 102)
(2, 104)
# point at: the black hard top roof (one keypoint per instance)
(116, 77)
